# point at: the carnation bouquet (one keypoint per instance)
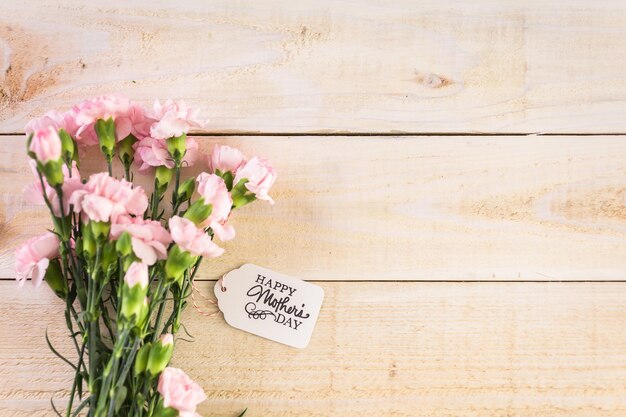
(124, 262)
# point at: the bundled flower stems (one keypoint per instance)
(124, 262)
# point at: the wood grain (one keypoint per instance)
(379, 349)
(320, 66)
(408, 208)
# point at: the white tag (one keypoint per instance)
(269, 304)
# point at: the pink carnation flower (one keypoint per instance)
(46, 144)
(149, 239)
(140, 122)
(55, 119)
(260, 176)
(226, 159)
(33, 257)
(213, 189)
(105, 198)
(151, 153)
(113, 106)
(180, 392)
(193, 240)
(172, 119)
(33, 193)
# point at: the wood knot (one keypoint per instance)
(431, 80)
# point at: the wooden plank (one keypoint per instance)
(406, 208)
(319, 66)
(401, 349)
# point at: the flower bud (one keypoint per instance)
(198, 212)
(134, 290)
(177, 262)
(55, 279)
(126, 151)
(141, 359)
(160, 354)
(177, 146)
(137, 275)
(45, 144)
(105, 129)
(186, 189)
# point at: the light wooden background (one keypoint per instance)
(453, 174)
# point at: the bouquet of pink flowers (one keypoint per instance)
(123, 263)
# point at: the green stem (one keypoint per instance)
(110, 372)
(160, 312)
(93, 322)
(75, 383)
(175, 202)
(155, 201)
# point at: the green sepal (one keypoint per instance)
(123, 246)
(125, 150)
(177, 147)
(177, 262)
(242, 200)
(228, 178)
(128, 260)
(159, 357)
(109, 257)
(186, 189)
(105, 129)
(55, 278)
(141, 360)
(68, 147)
(100, 230)
(240, 194)
(88, 242)
(53, 171)
(162, 177)
(164, 411)
(198, 211)
(30, 153)
(134, 307)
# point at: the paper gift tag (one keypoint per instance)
(268, 304)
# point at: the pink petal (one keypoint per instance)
(143, 251)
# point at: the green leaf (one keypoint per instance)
(54, 407)
(81, 406)
(57, 353)
(120, 396)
